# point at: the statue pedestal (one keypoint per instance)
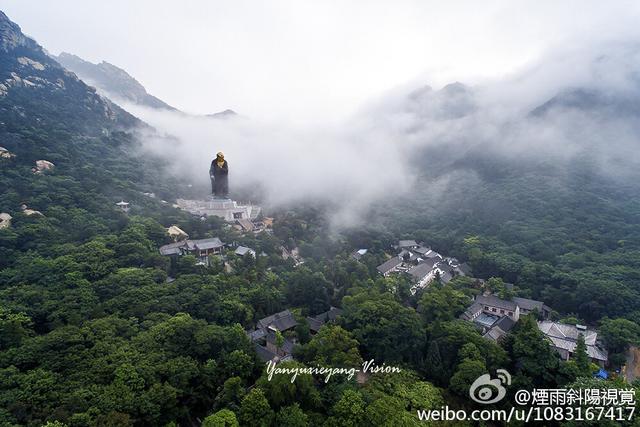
(227, 209)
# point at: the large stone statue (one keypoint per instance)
(219, 173)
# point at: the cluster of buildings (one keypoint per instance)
(422, 263)
(227, 209)
(495, 317)
(565, 337)
(245, 218)
(255, 226)
(200, 248)
(265, 335)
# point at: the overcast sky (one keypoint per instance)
(312, 59)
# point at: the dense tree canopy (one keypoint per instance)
(97, 328)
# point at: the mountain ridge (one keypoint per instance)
(118, 85)
(30, 81)
(114, 81)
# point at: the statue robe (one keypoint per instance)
(219, 179)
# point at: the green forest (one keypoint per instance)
(97, 328)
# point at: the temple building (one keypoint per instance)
(201, 248)
(227, 209)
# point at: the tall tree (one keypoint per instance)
(292, 416)
(581, 358)
(255, 410)
(470, 367)
(281, 391)
(388, 331)
(441, 303)
(348, 411)
(332, 346)
(222, 418)
(534, 362)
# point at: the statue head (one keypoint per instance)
(220, 155)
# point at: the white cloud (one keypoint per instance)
(304, 74)
(313, 60)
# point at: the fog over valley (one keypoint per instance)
(414, 138)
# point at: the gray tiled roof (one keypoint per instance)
(204, 244)
(421, 250)
(264, 353)
(172, 248)
(243, 250)
(287, 345)
(281, 321)
(407, 243)
(495, 333)
(529, 304)
(405, 254)
(433, 254)
(445, 269)
(566, 337)
(191, 245)
(559, 330)
(500, 328)
(505, 323)
(330, 314)
(421, 270)
(446, 277)
(316, 322)
(471, 311)
(493, 301)
(389, 265)
(570, 346)
(257, 334)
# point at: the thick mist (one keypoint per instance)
(569, 105)
(344, 165)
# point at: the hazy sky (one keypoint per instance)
(312, 59)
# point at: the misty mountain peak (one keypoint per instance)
(420, 92)
(223, 114)
(456, 88)
(591, 100)
(453, 101)
(112, 81)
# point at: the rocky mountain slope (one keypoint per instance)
(48, 113)
(118, 85)
(37, 91)
(113, 81)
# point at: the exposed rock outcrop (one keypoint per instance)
(5, 220)
(176, 233)
(6, 154)
(28, 75)
(30, 212)
(43, 166)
